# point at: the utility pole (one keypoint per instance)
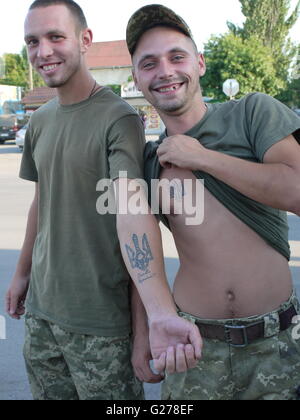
(30, 76)
(30, 73)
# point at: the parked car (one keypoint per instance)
(9, 125)
(20, 137)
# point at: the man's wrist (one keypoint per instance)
(23, 276)
(206, 160)
(163, 314)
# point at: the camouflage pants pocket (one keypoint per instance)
(66, 366)
(104, 370)
(289, 349)
(48, 372)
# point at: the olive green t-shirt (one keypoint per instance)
(79, 280)
(245, 129)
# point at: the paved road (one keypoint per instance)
(16, 196)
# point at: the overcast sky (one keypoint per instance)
(108, 19)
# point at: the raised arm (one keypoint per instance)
(275, 182)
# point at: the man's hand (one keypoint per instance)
(176, 344)
(15, 297)
(141, 357)
(181, 151)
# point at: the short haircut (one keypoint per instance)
(71, 5)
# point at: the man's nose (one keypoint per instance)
(45, 49)
(166, 70)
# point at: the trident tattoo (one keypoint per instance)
(140, 258)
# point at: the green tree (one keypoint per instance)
(230, 56)
(270, 21)
(291, 95)
(116, 89)
(17, 71)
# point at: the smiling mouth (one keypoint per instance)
(169, 88)
(49, 67)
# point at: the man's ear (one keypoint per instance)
(202, 65)
(86, 40)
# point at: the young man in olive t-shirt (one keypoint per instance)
(78, 309)
(234, 280)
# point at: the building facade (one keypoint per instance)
(110, 65)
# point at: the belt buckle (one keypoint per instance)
(228, 338)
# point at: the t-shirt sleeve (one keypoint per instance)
(28, 168)
(270, 121)
(126, 145)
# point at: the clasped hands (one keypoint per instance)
(173, 343)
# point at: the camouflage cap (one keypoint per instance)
(149, 17)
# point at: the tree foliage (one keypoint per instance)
(291, 95)
(259, 54)
(17, 71)
(268, 20)
(231, 57)
(271, 21)
(14, 70)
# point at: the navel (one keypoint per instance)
(231, 296)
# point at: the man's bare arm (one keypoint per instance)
(141, 245)
(17, 292)
(274, 183)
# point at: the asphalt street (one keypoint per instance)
(15, 198)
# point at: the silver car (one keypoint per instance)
(20, 137)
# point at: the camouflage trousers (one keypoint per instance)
(267, 369)
(67, 366)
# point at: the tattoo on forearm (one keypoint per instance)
(140, 257)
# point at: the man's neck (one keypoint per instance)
(77, 90)
(182, 123)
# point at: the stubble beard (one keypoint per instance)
(73, 69)
(177, 106)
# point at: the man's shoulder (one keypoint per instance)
(44, 111)
(114, 105)
(252, 99)
(259, 101)
(249, 106)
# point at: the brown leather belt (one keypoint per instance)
(243, 335)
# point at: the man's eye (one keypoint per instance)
(31, 43)
(178, 58)
(56, 37)
(148, 66)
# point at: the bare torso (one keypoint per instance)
(226, 269)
